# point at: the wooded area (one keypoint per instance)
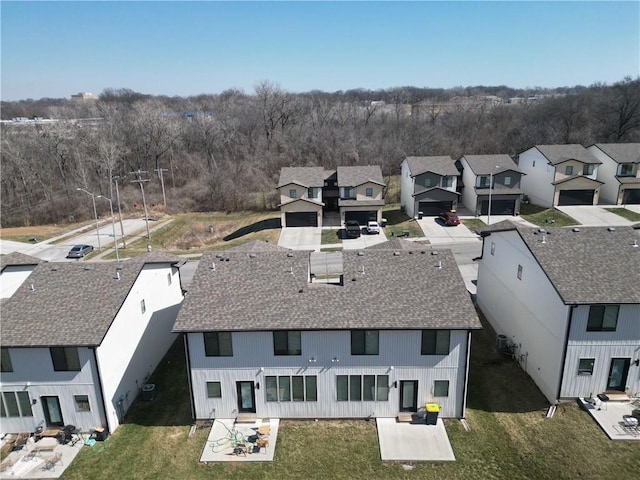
(224, 152)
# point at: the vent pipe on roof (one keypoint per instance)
(575, 229)
(212, 266)
(290, 270)
(117, 275)
(611, 229)
(635, 244)
(439, 265)
(544, 239)
(32, 288)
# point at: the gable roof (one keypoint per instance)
(621, 152)
(272, 291)
(485, 164)
(257, 246)
(17, 258)
(586, 265)
(561, 153)
(357, 175)
(441, 165)
(304, 176)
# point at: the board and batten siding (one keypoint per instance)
(33, 373)
(528, 310)
(136, 341)
(602, 347)
(399, 358)
(538, 176)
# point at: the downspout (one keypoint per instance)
(101, 390)
(191, 399)
(466, 375)
(565, 348)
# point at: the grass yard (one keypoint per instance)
(473, 224)
(40, 232)
(545, 217)
(331, 237)
(624, 213)
(397, 222)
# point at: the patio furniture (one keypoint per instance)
(603, 400)
(241, 449)
(50, 462)
(47, 444)
(20, 441)
(262, 443)
(264, 431)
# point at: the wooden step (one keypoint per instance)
(405, 417)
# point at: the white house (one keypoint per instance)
(428, 185)
(619, 171)
(567, 301)
(272, 332)
(79, 340)
(491, 179)
(559, 175)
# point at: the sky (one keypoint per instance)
(56, 49)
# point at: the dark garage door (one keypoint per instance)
(302, 219)
(576, 197)
(431, 209)
(631, 196)
(361, 217)
(498, 207)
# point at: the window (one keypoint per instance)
(347, 192)
(626, 169)
(218, 344)
(483, 182)
(214, 390)
(5, 361)
(287, 342)
(143, 306)
(519, 272)
(65, 359)
(533, 163)
(366, 388)
(364, 342)
(585, 367)
(435, 342)
(82, 403)
(441, 388)
(427, 182)
(447, 182)
(507, 181)
(369, 192)
(169, 279)
(603, 318)
(293, 193)
(493, 248)
(15, 404)
(568, 170)
(588, 168)
(299, 388)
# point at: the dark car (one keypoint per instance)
(79, 251)
(450, 219)
(352, 228)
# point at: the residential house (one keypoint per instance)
(559, 175)
(309, 193)
(428, 185)
(14, 270)
(567, 304)
(272, 332)
(491, 179)
(80, 339)
(619, 171)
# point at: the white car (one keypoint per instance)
(373, 228)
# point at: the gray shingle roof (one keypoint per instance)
(589, 266)
(260, 293)
(573, 177)
(354, 176)
(305, 176)
(485, 164)
(442, 165)
(17, 258)
(561, 153)
(360, 203)
(257, 246)
(621, 152)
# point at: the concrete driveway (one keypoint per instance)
(301, 238)
(438, 234)
(594, 216)
(363, 241)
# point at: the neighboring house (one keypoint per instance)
(14, 270)
(499, 171)
(620, 172)
(568, 303)
(558, 175)
(428, 185)
(308, 193)
(272, 332)
(79, 340)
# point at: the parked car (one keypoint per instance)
(352, 227)
(450, 218)
(373, 228)
(79, 251)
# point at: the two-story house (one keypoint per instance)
(491, 179)
(361, 193)
(558, 175)
(428, 185)
(566, 303)
(619, 171)
(79, 340)
(270, 335)
(301, 202)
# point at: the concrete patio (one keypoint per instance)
(226, 434)
(610, 417)
(413, 441)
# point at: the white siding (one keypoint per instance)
(528, 311)
(407, 188)
(536, 184)
(607, 174)
(12, 277)
(136, 342)
(469, 197)
(399, 357)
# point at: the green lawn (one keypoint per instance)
(545, 217)
(473, 224)
(398, 222)
(624, 213)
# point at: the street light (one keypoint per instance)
(490, 188)
(95, 213)
(113, 226)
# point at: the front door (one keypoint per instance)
(52, 411)
(618, 374)
(408, 395)
(246, 397)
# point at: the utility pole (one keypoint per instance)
(115, 178)
(164, 198)
(140, 181)
(95, 214)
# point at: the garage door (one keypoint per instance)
(631, 196)
(361, 217)
(302, 219)
(431, 209)
(576, 197)
(498, 207)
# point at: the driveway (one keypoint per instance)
(301, 238)
(438, 234)
(363, 241)
(594, 216)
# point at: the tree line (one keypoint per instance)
(224, 152)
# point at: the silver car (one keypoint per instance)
(79, 251)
